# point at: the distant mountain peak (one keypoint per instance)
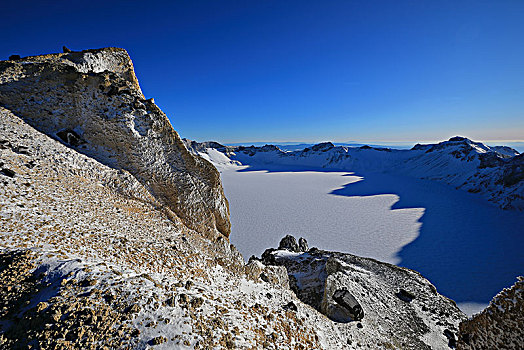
(459, 138)
(322, 147)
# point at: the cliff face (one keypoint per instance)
(92, 102)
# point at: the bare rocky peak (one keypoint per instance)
(91, 101)
(466, 146)
(324, 146)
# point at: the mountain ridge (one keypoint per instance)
(91, 101)
(496, 173)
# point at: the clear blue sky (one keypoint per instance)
(236, 71)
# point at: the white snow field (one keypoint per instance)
(265, 206)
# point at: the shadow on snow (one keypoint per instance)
(469, 248)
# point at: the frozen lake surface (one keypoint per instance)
(265, 206)
(469, 248)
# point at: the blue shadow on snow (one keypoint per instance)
(467, 247)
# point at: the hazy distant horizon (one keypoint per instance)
(294, 142)
(515, 144)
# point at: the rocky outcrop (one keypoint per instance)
(513, 172)
(289, 243)
(91, 101)
(500, 325)
(368, 298)
(196, 147)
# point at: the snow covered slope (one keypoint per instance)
(496, 173)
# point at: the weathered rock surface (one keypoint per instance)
(500, 325)
(89, 259)
(368, 299)
(91, 101)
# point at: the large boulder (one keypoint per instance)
(374, 304)
(289, 243)
(345, 299)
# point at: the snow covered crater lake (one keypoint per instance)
(467, 247)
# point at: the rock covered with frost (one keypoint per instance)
(91, 101)
(500, 325)
(90, 259)
(368, 299)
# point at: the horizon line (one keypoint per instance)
(362, 142)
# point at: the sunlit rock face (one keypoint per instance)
(91, 101)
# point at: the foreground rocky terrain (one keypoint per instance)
(113, 235)
(500, 325)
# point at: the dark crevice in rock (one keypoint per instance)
(70, 137)
(404, 295)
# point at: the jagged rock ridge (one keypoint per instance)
(365, 297)
(91, 101)
(500, 325)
